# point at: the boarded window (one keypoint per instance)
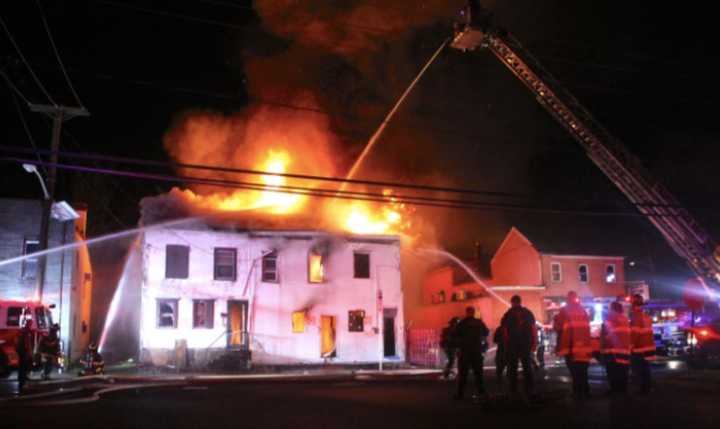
(583, 274)
(298, 322)
(167, 313)
(225, 264)
(362, 265)
(177, 260)
(610, 273)
(316, 268)
(356, 319)
(203, 313)
(30, 265)
(556, 272)
(270, 267)
(13, 316)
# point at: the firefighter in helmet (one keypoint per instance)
(92, 362)
(573, 327)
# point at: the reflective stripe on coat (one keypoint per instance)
(574, 327)
(615, 339)
(642, 341)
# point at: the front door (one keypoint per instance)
(389, 332)
(237, 324)
(327, 336)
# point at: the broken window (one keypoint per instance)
(556, 272)
(30, 265)
(316, 269)
(177, 261)
(610, 273)
(203, 313)
(167, 313)
(13, 316)
(298, 322)
(583, 273)
(270, 267)
(225, 264)
(361, 262)
(356, 319)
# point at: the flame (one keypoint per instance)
(376, 218)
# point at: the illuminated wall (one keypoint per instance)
(271, 304)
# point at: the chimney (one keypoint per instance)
(482, 261)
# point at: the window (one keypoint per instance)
(203, 313)
(362, 265)
(177, 260)
(13, 316)
(555, 272)
(298, 322)
(167, 313)
(610, 273)
(441, 296)
(583, 273)
(316, 269)
(270, 268)
(356, 319)
(225, 264)
(30, 265)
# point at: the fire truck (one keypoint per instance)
(13, 315)
(680, 229)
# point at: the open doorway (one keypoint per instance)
(237, 315)
(327, 337)
(389, 315)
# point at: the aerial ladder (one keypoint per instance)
(683, 233)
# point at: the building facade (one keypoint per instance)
(288, 297)
(68, 273)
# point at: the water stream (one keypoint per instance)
(467, 269)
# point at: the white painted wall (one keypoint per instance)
(272, 304)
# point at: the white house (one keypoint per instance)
(287, 296)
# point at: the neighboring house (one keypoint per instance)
(541, 276)
(68, 274)
(286, 296)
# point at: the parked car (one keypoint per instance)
(704, 345)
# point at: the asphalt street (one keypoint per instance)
(680, 397)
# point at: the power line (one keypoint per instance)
(57, 55)
(335, 194)
(27, 64)
(27, 131)
(13, 87)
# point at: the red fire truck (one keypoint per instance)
(13, 315)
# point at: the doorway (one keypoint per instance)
(327, 337)
(389, 315)
(237, 314)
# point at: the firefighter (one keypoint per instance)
(50, 350)
(448, 342)
(642, 344)
(573, 328)
(518, 325)
(615, 348)
(472, 339)
(24, 349)
(92, 362)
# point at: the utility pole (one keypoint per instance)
(59, 114)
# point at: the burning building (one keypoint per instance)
(285, 296)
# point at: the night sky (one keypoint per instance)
(643, 69)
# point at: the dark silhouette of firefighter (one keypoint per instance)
(615, 348)
(92, 362)
(24, 349)
(50, 350)
(519, 330)
(449, 344)
(472, 338)
(573, 326)
(642, 344)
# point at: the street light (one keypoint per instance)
(32, 168)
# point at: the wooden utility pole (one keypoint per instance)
(59, 114)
